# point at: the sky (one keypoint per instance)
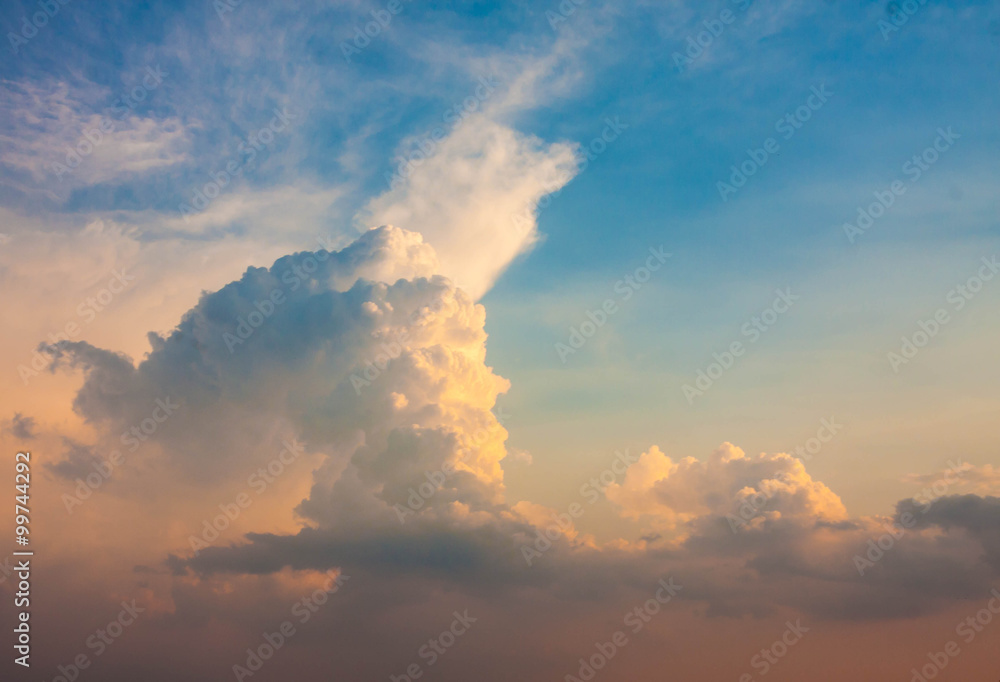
(569, 340)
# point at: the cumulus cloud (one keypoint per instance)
(729, 483)
(378, 364)
(364, 353)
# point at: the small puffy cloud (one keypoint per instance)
(672, 494)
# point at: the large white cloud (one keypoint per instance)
(364, 353)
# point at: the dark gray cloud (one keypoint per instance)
(21, 427)
(78, 461)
